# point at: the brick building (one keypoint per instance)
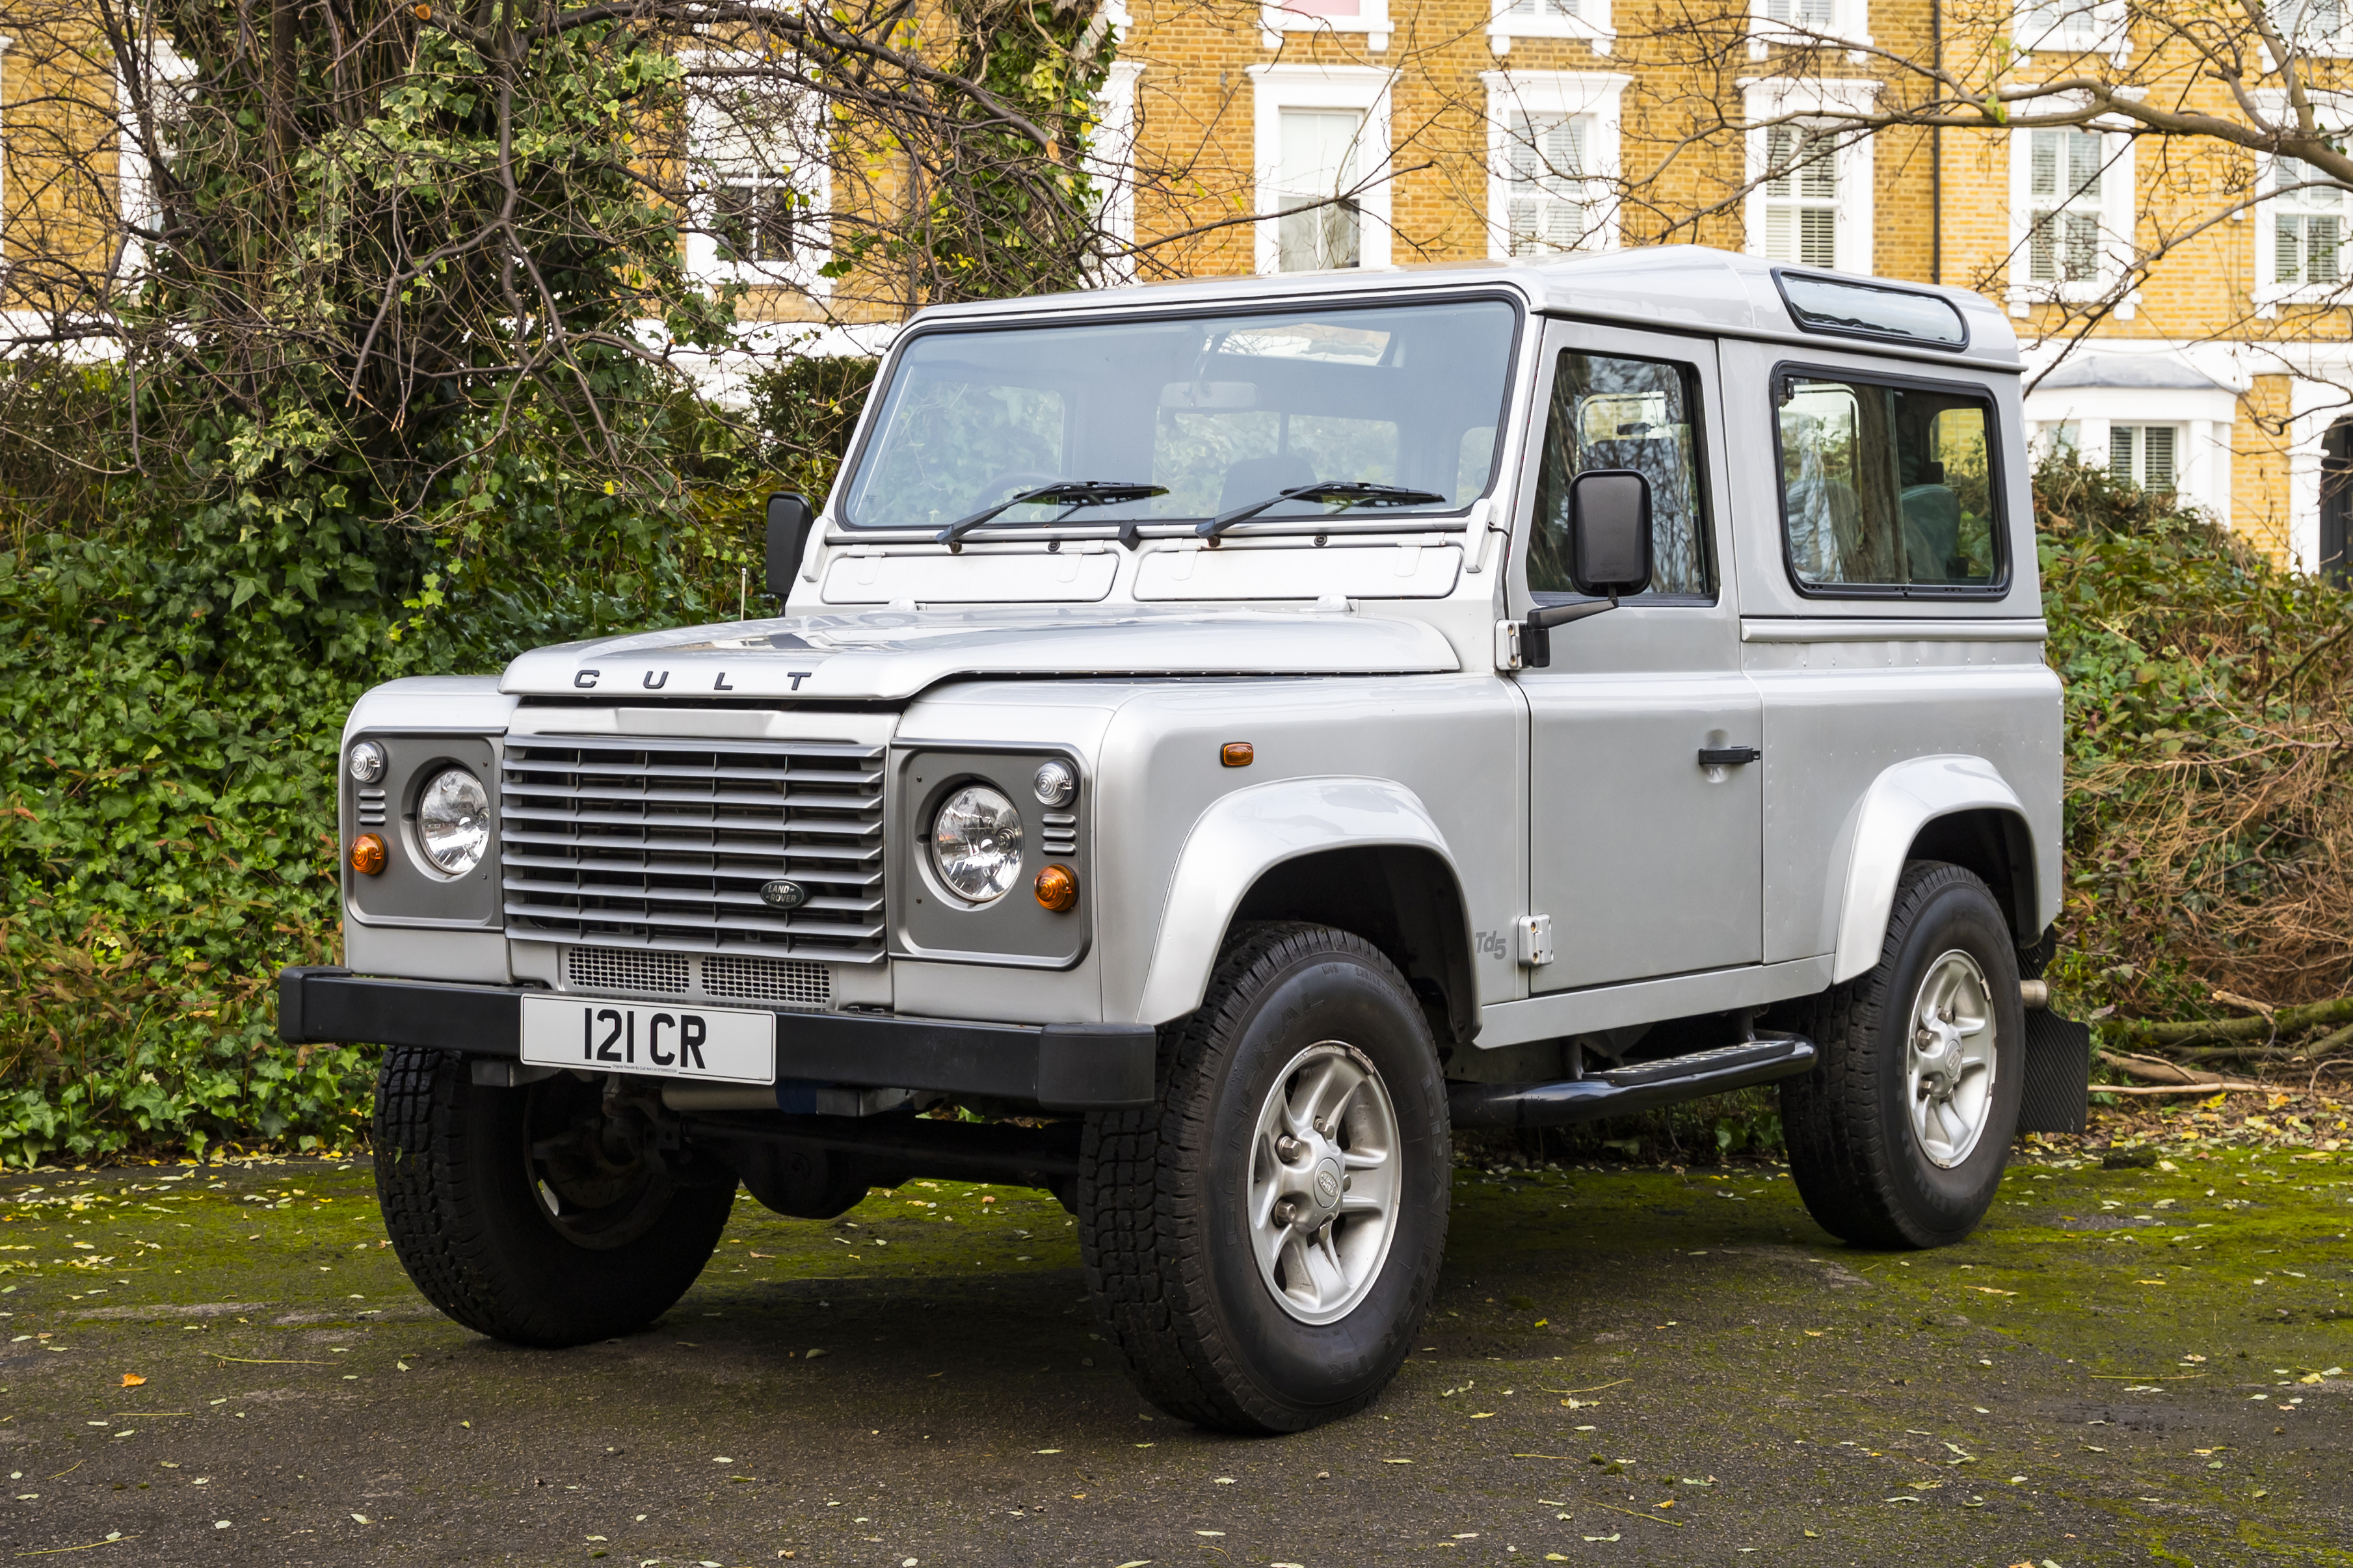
(1438, 130)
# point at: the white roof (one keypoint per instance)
(1688, 288)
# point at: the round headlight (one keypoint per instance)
(977, 844)
(367, 762)
(1055, 784)
(453, 820)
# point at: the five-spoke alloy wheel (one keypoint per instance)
(1323, 1181)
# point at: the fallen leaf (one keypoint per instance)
(131, 1380)
(362, 1518)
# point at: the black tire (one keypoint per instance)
(1859, 1162)
(1162, 1225)
(454, 1172)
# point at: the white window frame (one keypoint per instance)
(1593, 22)
(2202, 420)
(134, 194)
(811, 177)
(1782, 101)
(2180, 433)
(1848, 23)
(2288, 17)
(2089, 26)
(2332, 112)
(1366, 89)
(1372, 20)
(2117, 212)
(1592, 96)
(1111, 162)
(2270, 292)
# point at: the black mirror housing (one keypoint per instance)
(1610, 533)
(789, 517)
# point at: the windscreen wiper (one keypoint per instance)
(1342, 492)
(1072, 495)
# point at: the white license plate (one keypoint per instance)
(726, 1044)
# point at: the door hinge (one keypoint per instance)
(1535, 940)
(1507, 645)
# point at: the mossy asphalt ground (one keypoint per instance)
(1624, 1366)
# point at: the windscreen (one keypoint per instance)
(1219, 413)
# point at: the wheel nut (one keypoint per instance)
(1286, 1211)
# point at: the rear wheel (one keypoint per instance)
(1263, 1245)
(1898, 1136)
(545, 1216)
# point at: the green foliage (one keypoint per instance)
(2208, 813)
(174, 694)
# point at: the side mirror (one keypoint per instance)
(789, 524)
(1610, 533)
(1609, 555)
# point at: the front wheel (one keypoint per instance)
(543, 1215)
(1898, 1136)
(1263, 1244)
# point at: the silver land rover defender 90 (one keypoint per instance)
(1232, 736)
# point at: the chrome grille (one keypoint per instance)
(626, 842)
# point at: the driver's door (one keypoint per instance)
(1648, 859)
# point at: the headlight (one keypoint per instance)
(977, 844)
(453, 820)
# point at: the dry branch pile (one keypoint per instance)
(2210, 810)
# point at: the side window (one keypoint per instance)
(1612, 413)
(1886, 487)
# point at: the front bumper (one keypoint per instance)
(1058, 1067)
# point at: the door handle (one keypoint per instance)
(1728, 756)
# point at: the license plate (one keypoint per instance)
(724, 1043)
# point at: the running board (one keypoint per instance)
(1638, 1086)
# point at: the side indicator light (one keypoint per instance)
(367, 855)
(1057, 888)
(1237, 753)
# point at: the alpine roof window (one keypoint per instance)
(1840, 307)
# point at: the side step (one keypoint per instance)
(1638, 1086)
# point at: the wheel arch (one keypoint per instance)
(1954, 808)
(1361, 855)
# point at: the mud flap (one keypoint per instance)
(2058, 1074)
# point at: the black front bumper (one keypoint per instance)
(1059, 1067)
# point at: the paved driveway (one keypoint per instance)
(1625, 1367)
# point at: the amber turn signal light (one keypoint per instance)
(367, 855)
(1237, 753)
(1058, 888)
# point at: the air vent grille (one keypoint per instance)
(617, 969)
(718, 977)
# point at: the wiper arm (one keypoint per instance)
(1345, 492)
(1072, 495)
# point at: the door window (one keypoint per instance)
(1610, 412)
(1887, 486)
